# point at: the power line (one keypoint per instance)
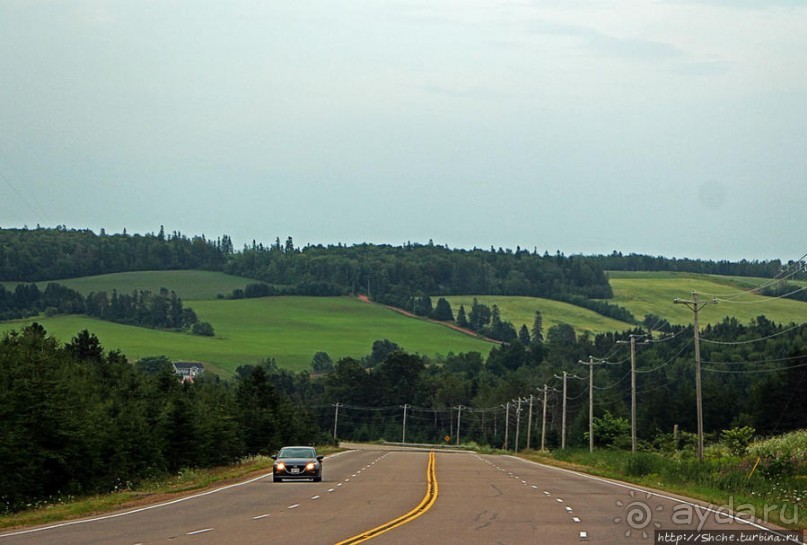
(783, 275)
(668, 362)
(763, 300)
(756, 362)
(753, 371)
(735, 343)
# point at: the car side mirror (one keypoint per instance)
(320, 458)
(273, 456)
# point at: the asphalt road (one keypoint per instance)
(480, 500)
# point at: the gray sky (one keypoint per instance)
(675, 128)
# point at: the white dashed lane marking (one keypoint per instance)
(569, 509)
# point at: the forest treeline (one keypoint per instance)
(77, 419)
(395, 275)
(163, 310)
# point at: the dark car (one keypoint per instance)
(297, 463)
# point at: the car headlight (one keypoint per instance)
(310, 466)
(280, 466)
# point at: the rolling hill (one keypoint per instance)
(293, 329)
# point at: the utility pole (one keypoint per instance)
(459, 421)
(543, 423)
(696, 306)
(403, 435)
(518, 422)
(633, 389)
(563, 419)
(529, 422)
(506, 424)
(590, 364)
(335, 420)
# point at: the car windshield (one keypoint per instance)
(296, 452)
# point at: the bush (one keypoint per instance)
(205, 329)
(611, 431)
(738, 439)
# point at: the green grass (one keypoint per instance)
(653, 293)
(650, 293)
(290, 329)
(188, 285)
(521, 311)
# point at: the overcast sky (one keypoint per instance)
(674, 128)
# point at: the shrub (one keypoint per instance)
(738, 439)
(204, 329)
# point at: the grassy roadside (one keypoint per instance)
(169, 488)
(779, 502)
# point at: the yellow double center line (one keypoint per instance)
(424, 505)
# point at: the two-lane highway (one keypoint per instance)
(481, 499)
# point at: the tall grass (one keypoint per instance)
(774, 473)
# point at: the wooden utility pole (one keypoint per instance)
(335, 420)
(543, 423)
(590, 364)
(403, 435)
(563, 419)
(506, 424)
(696, 306)
(518, 422)
(529, 423)
(632, 389)
(459, 421)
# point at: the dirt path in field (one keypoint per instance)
(455, 327)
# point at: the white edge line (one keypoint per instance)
(148, 507)
(202, 531)
(639, 488)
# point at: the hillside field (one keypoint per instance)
(649, 293)
(653, 293)
(521, 311)
(289, 329)
(188, 285)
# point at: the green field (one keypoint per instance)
(290, 329)
(188, 285)
(521, 311)
(650, 293)
(653, 293)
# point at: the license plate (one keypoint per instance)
(295, 470)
